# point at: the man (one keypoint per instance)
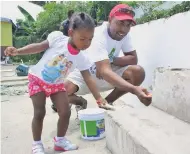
(109, 68)
(65, 24)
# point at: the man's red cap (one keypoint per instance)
(122, 12)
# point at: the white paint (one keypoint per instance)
(146, 131)
(171, 92)
(161, 43)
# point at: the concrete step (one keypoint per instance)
(15, 83)
(89, 151)
(7, 73)
(171, 92)
(14, 78)
(146, 131)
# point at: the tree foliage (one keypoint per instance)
(157, 14)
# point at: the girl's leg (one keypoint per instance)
(61, 101)
(39, 101)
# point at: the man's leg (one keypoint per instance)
(79, 102)
(71, 89)
(134, 74)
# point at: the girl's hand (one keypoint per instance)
(11, 51)
(102, 103)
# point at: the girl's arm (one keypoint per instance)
(102, 103)
(34, 48)
(29, 49)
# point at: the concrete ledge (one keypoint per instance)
(146, 131)
(89, 151)
(171, 92)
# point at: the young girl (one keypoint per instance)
(46, 78)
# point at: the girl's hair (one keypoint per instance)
(81, 20)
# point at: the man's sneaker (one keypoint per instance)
(54, 107)
(38, 149)
(80, 107)
(84, 103)
(64, 145)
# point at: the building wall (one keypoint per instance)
(6, 34)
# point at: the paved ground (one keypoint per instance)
(16, 127)
(17, 112)
(16, 116)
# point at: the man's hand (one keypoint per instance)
(11, 51)
(102, 103)
(143, 95)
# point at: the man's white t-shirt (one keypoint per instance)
(58, 62)
(104, 47)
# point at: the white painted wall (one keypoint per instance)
(162, 43)
(171, 92)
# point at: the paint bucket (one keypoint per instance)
(92, 125)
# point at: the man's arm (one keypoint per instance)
(129, 51)
(107, 74)
(129, 58)
(104, 68)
